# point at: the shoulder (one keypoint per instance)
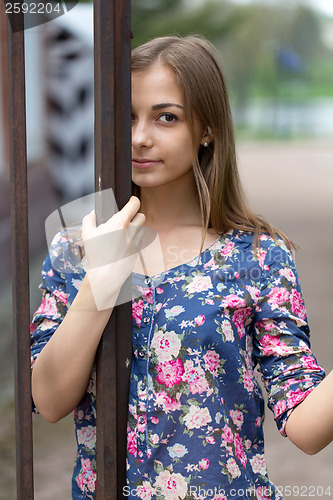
(265, 252)
(65, 255)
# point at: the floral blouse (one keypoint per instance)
(201, 331)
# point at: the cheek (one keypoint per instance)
(183, 149)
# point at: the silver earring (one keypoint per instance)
(206, 144)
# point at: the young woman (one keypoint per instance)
(224, 300)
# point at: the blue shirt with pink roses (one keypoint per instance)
(203, 333)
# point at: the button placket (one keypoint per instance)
(143, 340)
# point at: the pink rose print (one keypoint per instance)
(295, 397)
(145, 491)
(170, 372)
(310, 363)
(197, 417)
(211, 264)
(167, 403)
(131, 443)
(266, 324)
(257, 422)
(247, 444)
(233, 301)
(227, 434)
(142, 423)
(288, 274)
(274, 346)
(87, 478)
(233, 468)
(61, 296)
(279, 408)
(147, 294)
(204, 464)
(239, 318)
(237, 418)
(87, 436)
(166, 345)
(48, 307)
(239, 450)
(154, 438)
(212, 361)
(172, 486)
(199, 320)
(137, 308)
(253, 291)
(195, 376)
(297, 304)
(199, 284)
(248, 382)
(261, 254)
(278, 296)
(258, 464)
(228, 248)
(227, 330)
(92, 383)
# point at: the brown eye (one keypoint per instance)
(168, 118)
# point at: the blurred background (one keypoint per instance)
(278, 61)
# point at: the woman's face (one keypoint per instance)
(162, 149)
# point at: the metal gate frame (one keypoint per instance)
(112, 37)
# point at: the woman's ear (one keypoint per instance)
(207, 138)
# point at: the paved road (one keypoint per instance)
(292, 186)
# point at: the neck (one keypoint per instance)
(170, 206)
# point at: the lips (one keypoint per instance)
(144, 163)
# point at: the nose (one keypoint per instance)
(141, 135)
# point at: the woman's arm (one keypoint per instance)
(62, 370)
(310, 425)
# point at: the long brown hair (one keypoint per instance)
(199, 74)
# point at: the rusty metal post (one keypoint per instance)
(112, 37)
(20, 258)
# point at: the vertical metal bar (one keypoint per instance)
(112, 35)
(4, 80)
(20, 257)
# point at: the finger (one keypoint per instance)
(89, 222)
(129, 210)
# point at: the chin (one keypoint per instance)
(145, 182)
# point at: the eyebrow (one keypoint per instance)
(166, 105)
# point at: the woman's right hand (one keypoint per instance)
(62, 370)
(111, 250)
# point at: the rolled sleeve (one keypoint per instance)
(282, 336)
(51, 311)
